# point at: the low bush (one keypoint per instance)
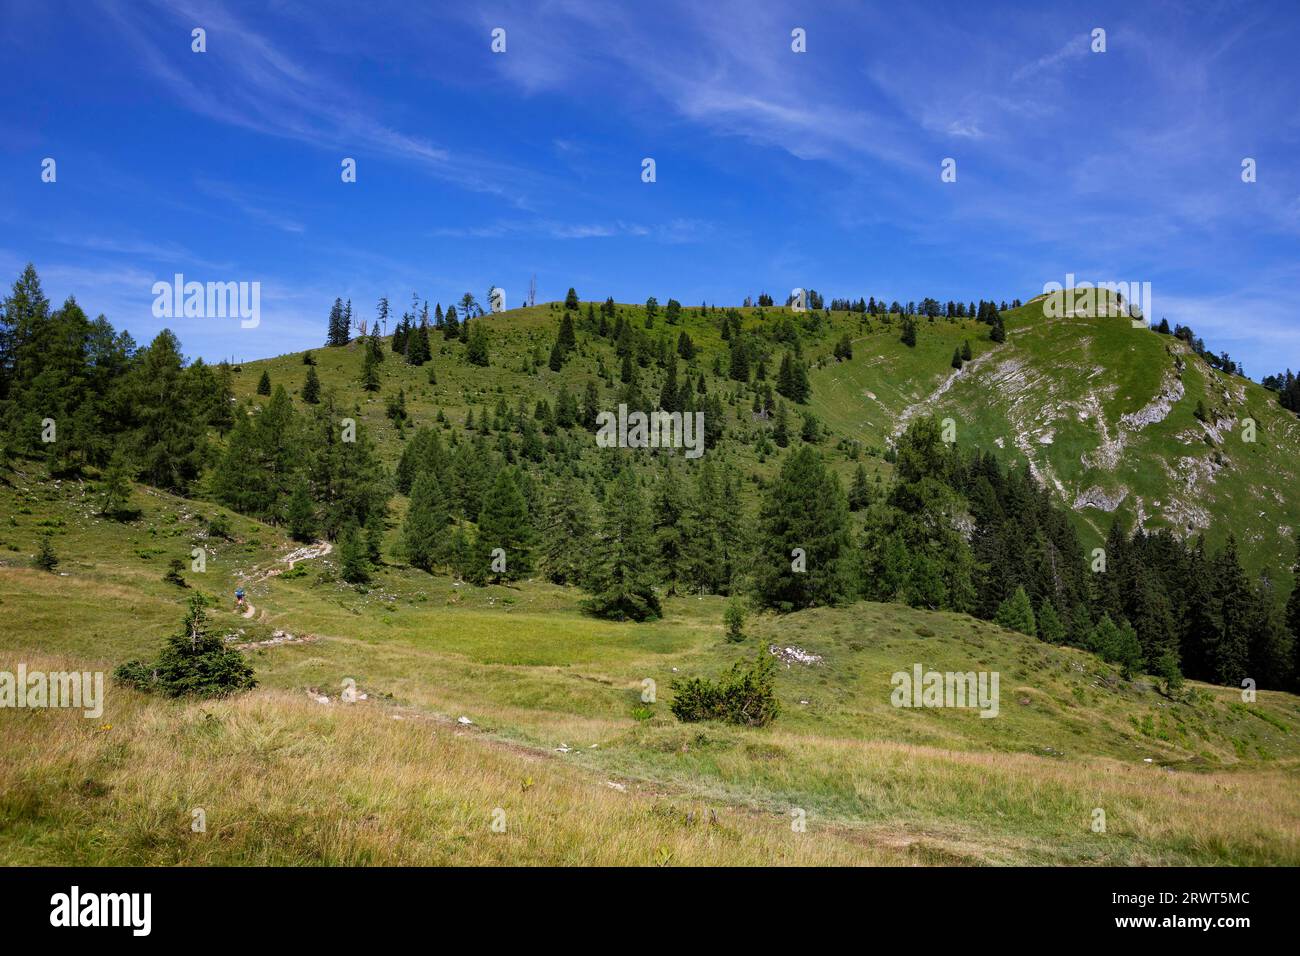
(744, 695)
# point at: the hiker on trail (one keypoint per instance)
(239, 597)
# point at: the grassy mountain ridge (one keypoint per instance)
(1101, 412)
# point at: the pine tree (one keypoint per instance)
(1229, 651)
(369, 373)
(997, 332)
(590, 404)
(567, 341)
(45, 559)
(264, 383)
(354, 561)
(338, 333)
(965, 351)
(417, 347)
(169, 443)
(194, 663)
(620, 576)
(1292, 617)
(476, 352)
(311, 387)
(667, 532)
(571, 300)
(300, 514)
(956, 359)
(566, 538)
(781, 426)
(115, 488)
(860, 492)
(504, 523)
(908, 337)
(1117, 644)
(1017, 614)
(1050, 628)
(803, 556)
(424, 532)
(739, 367)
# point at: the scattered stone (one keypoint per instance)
(463, 720)
(794, 655)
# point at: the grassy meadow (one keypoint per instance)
(561, 743)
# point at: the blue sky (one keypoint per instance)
(775, 169)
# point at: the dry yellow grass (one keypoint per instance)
(284, 780)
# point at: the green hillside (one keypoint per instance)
(521, 697)
(1103, 413)
(560, 738)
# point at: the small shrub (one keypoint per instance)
(734, 618)
(745, 695)
(46, 559)
(173, 575)
(193, 663)
(219, 526)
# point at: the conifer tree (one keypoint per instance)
(567, 341)
(860, 492)
(115, 488)
(504, 523)
(264, 383)
(424, 532)
(590, 404)
(908, 337)
(803, 533)
(169, 443)
(338, 332)
(997, 332)
(45, 559)
(1050, 628)
(1017, 614)
(300, 514)
(476, 352)
(369, 373)
(354, 561)
(781, 426)
(311, 387)
(566, 526)
(620, 575)
(1229, 650)
(666, 529)
(1293, 614)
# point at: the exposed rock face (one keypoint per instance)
(1157, 410)
(1099, 498)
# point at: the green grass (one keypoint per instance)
(285, 779)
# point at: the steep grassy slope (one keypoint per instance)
(555, 700)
